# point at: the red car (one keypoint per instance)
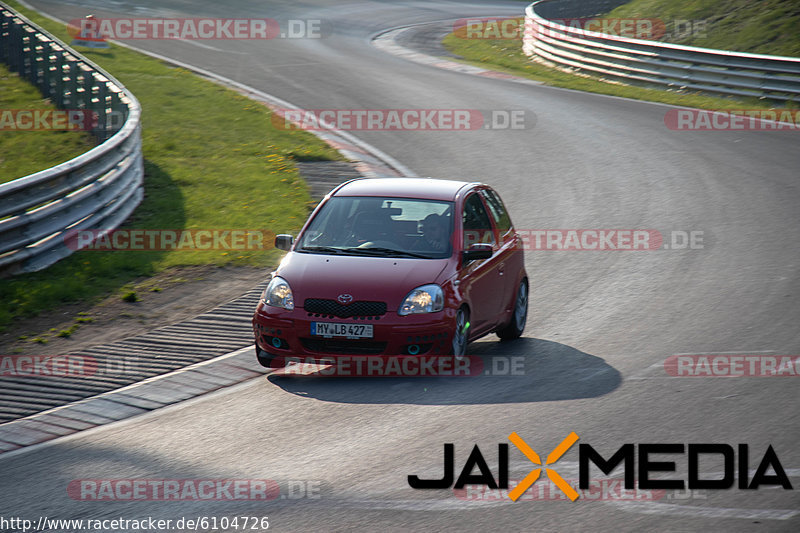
(395, 266)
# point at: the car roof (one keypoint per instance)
(425, 188)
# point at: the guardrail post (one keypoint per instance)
(58, 78)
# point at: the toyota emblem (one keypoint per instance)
(345, 298)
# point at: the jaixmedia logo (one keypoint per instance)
(628, 455)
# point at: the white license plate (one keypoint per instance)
(333, 329)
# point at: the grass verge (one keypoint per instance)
(506, 55)
(763, 27)
(26, 152)
(213, 160)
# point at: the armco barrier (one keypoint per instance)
(100, 188)
(652, 62)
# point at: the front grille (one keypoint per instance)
(350, 347)
(334, 308)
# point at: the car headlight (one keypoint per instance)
(424, 299)
(278, 294)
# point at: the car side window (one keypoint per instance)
(498, 210)
(477, 227)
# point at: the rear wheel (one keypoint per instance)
(461, 333)
(520, 316)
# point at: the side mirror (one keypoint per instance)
(478, 251)
(284, 241)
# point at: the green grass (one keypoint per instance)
(762, 27)
(26, 152)
(506, 55)
(213, 160)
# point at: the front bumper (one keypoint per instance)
(279, 332)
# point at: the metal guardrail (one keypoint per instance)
(98, 189)
(652, 62)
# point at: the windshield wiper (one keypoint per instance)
(385, 252)
(372, 251)
(322, 249)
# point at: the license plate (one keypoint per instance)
(334, 329)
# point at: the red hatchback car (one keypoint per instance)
(395, 266)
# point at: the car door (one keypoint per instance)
(510, 257)
(480, 280)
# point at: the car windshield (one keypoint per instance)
(380, 227)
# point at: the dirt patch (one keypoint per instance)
(322, 176)
(183, 293)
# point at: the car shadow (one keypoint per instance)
(519, 371)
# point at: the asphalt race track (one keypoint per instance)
(601, 323)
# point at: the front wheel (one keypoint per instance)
(461, 333)
(514, 328)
